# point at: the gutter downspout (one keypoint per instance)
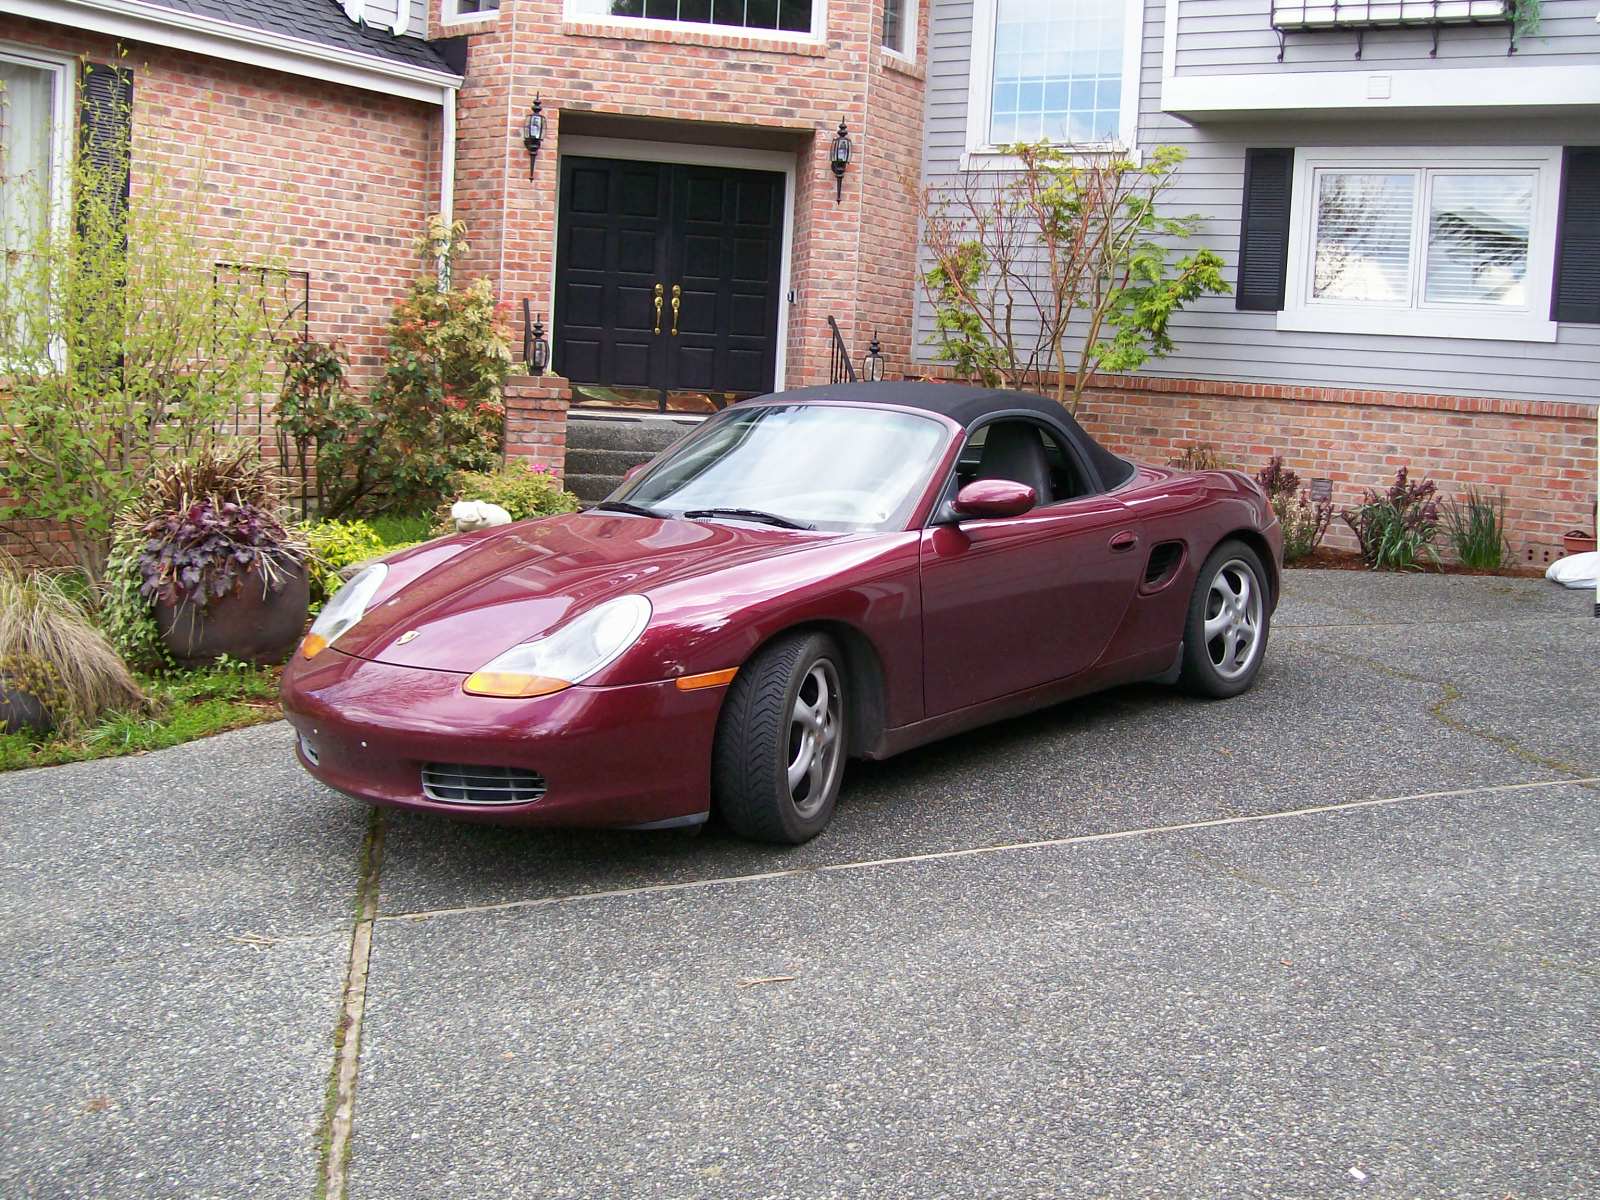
(447, 156)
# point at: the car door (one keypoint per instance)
(1013, 603)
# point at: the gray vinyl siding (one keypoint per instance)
(1224, 37)
(1215, 340)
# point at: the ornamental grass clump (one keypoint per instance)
(1303, 522)
(210, 523)
(50, 651)
(1396, 528)
(1477, 530)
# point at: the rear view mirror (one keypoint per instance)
(994, 498)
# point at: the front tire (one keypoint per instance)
(780, 747)
(1225, 635)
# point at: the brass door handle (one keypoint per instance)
(677, 302)
(659, 290)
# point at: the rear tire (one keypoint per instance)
(1225, 634)
(780, 746)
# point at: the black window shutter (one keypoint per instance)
(1264, 230)
(105, 130)
(1576, 295)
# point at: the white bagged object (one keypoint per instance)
(477, 514)
(1575, 570)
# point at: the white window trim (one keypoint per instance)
(63, 125)
(573, 12)
(1529, 324)
(982, 154)
(909, 19)
(450, 14)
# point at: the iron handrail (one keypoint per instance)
(841, 369)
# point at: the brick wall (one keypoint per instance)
(536, 421)
(849, 258)
(328, 180)
(1541, 454)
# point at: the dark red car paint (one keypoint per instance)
(946, 626)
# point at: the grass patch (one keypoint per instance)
(189, 706)
(397, 529)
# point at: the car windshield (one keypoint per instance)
(825, 466)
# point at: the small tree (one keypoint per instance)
(437, 410)
(1066, 249)
(121, 342)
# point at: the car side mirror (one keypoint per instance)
(994, 498)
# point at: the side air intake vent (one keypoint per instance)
(457, 783)
(1165, 558)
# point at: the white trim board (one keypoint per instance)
(575, 11)
(589, 146)
(978, 152)
(1489, 323)
(137, 21)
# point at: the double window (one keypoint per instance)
(35, 109)
(1062, 71)
(1452, 243)
(783, 17)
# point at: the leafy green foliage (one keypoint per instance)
(437, 409)
(50, 651)
(1477, 530)
(523, 491)
(315, 410)
(194, 705)
(334, 546)
(1303, 522)
(1061, 268)
(125, 615)
(123, 343)
(1396, 528)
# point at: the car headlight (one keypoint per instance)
(569, 655)
(349, 605)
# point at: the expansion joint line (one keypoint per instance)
(339, 1110)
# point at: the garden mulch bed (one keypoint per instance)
(1324, 559)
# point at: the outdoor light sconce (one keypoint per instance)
(839, 157)
(872, 361)
(535, 346)
(533, 132)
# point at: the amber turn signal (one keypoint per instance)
(314, 645)
(691, 683)
(510, 685)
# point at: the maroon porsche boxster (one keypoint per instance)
(836, 572)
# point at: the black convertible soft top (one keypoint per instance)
(969, 406)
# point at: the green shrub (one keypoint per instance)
(1396, 528)
(334, 546)
(1303, 522)
(1477, 530)
(125, 615)
(523, 491)
(49, 649)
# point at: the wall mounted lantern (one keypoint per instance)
(872, 361)
(533, 132)
(839, 157)
(535, 346)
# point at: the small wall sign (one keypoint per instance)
(1321, 490)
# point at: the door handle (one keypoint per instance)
(659, 291)
(1127, 539)
(677, 301)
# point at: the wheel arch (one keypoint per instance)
(1258, 543)
(864, 676)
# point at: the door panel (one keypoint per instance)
(713, 233)
(1013, 604)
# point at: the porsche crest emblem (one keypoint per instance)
(409, 635)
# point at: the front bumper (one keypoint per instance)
(610, 756)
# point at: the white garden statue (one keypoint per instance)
(477, 514)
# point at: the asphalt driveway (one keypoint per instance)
(1334, 937)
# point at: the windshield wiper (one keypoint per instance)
(749, 514)
(624, 506)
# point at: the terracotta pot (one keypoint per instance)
(1577, 542)
(21, 712)
(248, 623)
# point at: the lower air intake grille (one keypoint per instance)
(458, 783)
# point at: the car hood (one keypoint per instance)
(521, 581)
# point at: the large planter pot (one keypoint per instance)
(248, 623)
(1577, 542)
(21, 712)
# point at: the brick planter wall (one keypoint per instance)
(1541, 454)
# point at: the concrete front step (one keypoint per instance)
(582, 460)
(652, 434)
(590, 488)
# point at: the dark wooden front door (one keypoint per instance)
(667, 276)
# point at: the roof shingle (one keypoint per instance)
(321, 21)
